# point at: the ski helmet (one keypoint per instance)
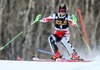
(62, 7)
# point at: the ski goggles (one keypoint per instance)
(62, 10)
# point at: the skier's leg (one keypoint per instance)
(71, 51)
(65, 42)
(52, 41)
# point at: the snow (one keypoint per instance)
(31, 65)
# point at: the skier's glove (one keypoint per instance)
(74, 19)
(38, 17)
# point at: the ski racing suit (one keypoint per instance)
(61, 33)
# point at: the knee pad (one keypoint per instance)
(52, 43)
(52, 38)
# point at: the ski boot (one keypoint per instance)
(75, 56)
(57, 55)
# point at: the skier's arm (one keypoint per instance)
(48, 19)
(45, 19)
(71, 21)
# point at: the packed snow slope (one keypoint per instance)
(32, 65)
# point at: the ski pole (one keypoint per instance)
(36, 20)
(43, 51)
(75, 21)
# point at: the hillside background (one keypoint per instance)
(16, 15)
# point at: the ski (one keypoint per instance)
(58, 60)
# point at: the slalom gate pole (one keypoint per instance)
(85, 38)
(83, 28)
(19, 58)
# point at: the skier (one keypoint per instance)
(61, 33)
